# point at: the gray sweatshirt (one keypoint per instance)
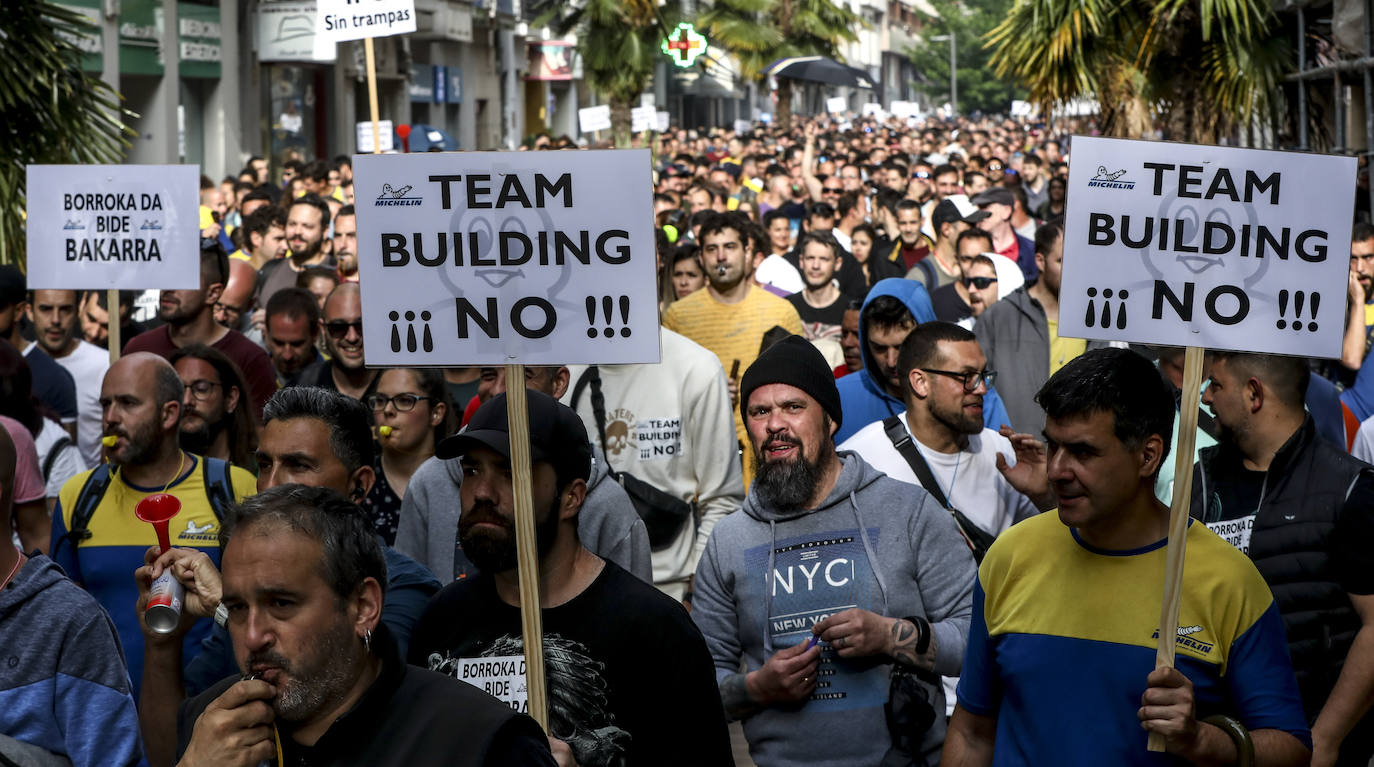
(428, 531)
(874, 543)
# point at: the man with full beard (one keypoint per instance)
(614, 645)
(866, 582)
(323, 681)
(216, 419)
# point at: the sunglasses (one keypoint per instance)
(981, 283)
(339, 328)
(922, 174)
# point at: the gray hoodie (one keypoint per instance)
(428, 530)
(822, 562)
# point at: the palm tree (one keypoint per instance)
(759, 32)
(53, 112)
(619, 44)
(1202, 66)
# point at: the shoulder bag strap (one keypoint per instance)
(901, 440)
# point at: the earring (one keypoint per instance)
(367, 639)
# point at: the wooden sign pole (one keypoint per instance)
(372, 96)
(527, 555)
(112, 313)
(1178, 517)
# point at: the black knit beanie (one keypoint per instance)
(796, 362)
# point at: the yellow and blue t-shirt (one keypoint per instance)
(105, 562)
(1063, 637)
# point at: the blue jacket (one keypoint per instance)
(863, 400)
(65, 688)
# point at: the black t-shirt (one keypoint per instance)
(824, 322)
(949, 306)
(627, 670)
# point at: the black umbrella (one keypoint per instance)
(819, 69)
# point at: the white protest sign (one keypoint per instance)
(664, 120)
(591, 119)
(905, 108)
(1216, 247)
(743, 126)
(342, 20)
(364, 135)
(643, 118)
(836, 105)
(492, 258)
(100, 227)
(500, 676)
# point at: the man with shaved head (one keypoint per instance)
(343, 339)
(237, 301)
(95, 536)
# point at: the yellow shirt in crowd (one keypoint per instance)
(734, 332)
(1063, 349)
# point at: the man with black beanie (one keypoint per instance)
(867, 590)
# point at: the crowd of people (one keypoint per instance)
(871, 507)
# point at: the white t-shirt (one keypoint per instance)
(87, 363)
(1363, 448)
(66, 465)
(969, 478)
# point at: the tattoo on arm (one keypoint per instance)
(904, 636)
(734, 695)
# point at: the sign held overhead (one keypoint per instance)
(126, 227)
(1215, 247)
(342, 20)
(488, 258)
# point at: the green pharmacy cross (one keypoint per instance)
(684, 45)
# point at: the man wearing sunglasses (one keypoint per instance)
(965, 299)
(190, 319)
(344, 371)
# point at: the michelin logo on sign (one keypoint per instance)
(1112, 180)
(397, 197)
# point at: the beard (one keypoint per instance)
(316, 680)
(142, 444)
(495, 552)
(786, 485)
(956, 419)
(199, 439)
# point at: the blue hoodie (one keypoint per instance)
(863, 399)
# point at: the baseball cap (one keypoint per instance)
(957, 207)
(1000, 195)
(557, 435)
(994, 194)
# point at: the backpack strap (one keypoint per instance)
(219, 490)
(54, 452)
(928, 269)
(86, 503)
(892, 426)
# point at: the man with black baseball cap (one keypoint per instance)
(951, 217)
(866, 581)
(597, 665)
(999, 203)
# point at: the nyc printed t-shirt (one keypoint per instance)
(1063, 637)
(104, 563)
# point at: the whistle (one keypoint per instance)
(109, 440)
(385, 431)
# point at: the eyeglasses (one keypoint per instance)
(994, 167)
(980, 283)
(201, 388)
(922, 174)
(832, 190)
(404, 403)
(971, 379)
(339, 328)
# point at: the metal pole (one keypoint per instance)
(1302, 84)
(953, 77)
(1338, 98)
(170, 87)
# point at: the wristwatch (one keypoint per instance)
(222, 615)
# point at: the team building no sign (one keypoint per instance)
(491, 258)
(1215, 247)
